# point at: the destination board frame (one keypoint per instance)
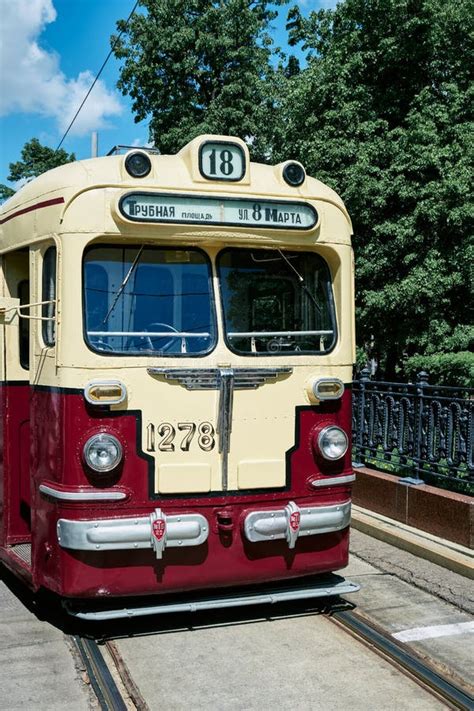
(249, 203)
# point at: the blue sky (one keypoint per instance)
(50, 53)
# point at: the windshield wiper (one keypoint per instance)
(124, 283)
(302, 282)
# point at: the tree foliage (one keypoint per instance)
(383, 114)
(5, 192)
(35, 160)
(199, 66)
(444, 368)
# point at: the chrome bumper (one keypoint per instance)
(292, 522)
(320, 587)
(157, 531)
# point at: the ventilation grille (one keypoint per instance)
(23, 551)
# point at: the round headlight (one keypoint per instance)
(138, 165)
(103, 452)
(332, 443)
(294, 174)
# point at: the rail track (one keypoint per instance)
(404, 659)
(116, 690)
(109, 677)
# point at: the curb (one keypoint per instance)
(449, 555)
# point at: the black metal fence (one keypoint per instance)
(420, 430)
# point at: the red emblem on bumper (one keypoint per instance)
(295, 520)
(159, 528)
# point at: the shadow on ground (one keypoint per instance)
(48, 608)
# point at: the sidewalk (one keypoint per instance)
(445, 553)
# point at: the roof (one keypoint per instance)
(57, 188)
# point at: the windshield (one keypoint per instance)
(276, 302)
(148, 300)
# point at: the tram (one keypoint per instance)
(176, 350)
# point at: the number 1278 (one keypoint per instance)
(167, 437)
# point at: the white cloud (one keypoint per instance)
(31, 80)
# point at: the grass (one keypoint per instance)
(401, 466)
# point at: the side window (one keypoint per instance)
(24, 325)
(49, 294)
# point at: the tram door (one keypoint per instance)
(16, 523)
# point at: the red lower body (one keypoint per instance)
(60, 423)
(221, 561)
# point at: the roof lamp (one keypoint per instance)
(137, 164)
(294, 174)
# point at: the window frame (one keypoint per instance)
(24, 333)
(208, 261)
(283, 353)
(49, 293)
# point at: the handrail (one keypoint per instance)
(154, 334)
(17, 310)
(262, 334)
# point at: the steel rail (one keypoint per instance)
(103, 684)
(131, 688)
(404, 658)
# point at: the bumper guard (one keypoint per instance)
(292, 521)
(157, 531)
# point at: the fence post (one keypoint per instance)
(363, 379)
(421, 382)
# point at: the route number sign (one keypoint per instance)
(222, 161)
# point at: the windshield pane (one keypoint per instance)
(276, 302)
(148, 300)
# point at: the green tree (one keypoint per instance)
(199, 66)
(383, 113)
(5, 192)
(35, 159)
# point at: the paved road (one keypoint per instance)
(433, 626)
(239, 661)
(299, 663)
(438, 581)
(37, 668)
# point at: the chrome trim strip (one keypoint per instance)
(329, 587)
(130, 533)
(82, 495)
(273, 524)
(334, 481)
(210, 378)
(224, 421)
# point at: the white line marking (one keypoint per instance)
(417, 633)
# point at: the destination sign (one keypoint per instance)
(189, 209)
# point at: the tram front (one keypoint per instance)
(207, 396)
